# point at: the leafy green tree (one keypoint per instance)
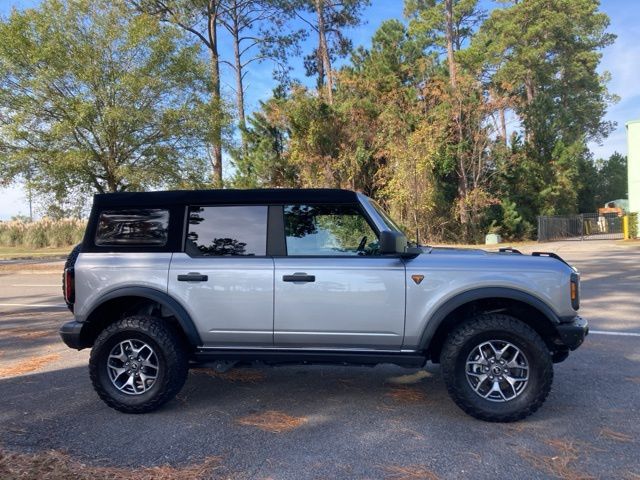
(93, 98)
(601, 181)
(262, 163)
(613, 173)
(542, 56)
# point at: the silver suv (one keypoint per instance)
(165, 280)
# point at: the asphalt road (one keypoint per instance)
(341, 422)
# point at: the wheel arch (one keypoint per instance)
(522, 305)
(134, 300)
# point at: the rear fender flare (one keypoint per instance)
(178, 311)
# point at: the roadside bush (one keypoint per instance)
(41, 233)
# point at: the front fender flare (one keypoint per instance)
(164, 299)
(436, 319)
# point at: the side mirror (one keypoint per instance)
(392, 242)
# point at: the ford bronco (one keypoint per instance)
(166, 280)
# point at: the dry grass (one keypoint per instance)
(55, 465)
(28, 365)
(406, 395)
(409, 379)
(26, 333)
(561, 465)
(633, 379)
(411, 472)
(235, 375)
(273, 421)
(617, 436)
(631, 476)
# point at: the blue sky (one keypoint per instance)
(622, 60)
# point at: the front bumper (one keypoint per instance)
(573, 333)
(70, 333)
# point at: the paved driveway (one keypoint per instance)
(334, 422)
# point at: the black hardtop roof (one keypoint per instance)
(225, 196)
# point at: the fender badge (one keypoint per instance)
(417, 278)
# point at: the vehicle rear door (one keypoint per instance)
(224, 277)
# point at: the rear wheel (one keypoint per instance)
(497, 368)
(138, 363)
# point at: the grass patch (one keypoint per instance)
(411, 472)
(273, 421)
(235, 375)
(12, 253)
(28, 365)
(55, 465)
(560, 465)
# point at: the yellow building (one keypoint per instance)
(633, 164)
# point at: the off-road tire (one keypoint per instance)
(172, 359)
(69, 263)
(462, 340)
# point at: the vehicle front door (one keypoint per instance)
(333, 289)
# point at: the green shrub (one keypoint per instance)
(41, 233)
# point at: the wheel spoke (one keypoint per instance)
(117, 372)
(494, 388)
(144, 377)
(484, 363)
(481, 380)
(501, 352)
(121, 356)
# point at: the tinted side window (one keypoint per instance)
(133, 227)
(328, 230)
(223, 231)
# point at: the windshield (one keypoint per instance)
(391, 225)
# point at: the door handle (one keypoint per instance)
(299, 277)
(193, 277)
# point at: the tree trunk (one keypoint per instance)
(448, 6)
(323, 50)
(457, 119)
(238, 63)
(503, 126)
(216, 140)
(530, 97)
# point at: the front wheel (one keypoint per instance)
(137, 364)
(497, 368)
